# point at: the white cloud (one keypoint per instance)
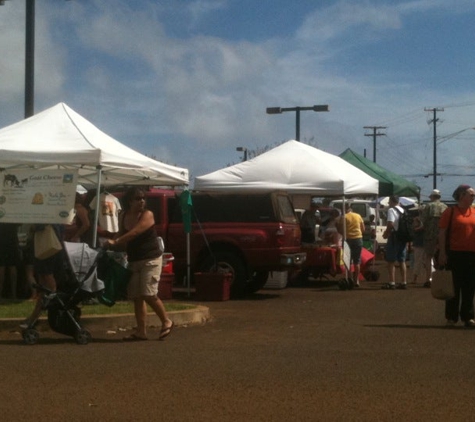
(122, 69)
(344, 16)
(201, 8)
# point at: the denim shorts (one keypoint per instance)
(395, 250)
(356, 246)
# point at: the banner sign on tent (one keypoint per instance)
(37, 196)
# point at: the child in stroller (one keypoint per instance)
(80, 284)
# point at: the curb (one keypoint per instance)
(197, 315)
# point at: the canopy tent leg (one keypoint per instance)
(96, 211)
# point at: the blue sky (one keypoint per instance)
(189, 81)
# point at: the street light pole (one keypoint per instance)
(243, 149)
(280, 110)
(30, 59)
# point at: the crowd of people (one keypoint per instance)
(442, 237)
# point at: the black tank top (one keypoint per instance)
(144, 246)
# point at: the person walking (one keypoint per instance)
(137, 233)
(418, 260)
(49, 271)
(457, 253)
(395, 249)
(430, 219)
(354, 229)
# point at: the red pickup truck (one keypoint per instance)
(247, 235)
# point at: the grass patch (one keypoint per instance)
(21, 309)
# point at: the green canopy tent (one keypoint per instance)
(389, 183)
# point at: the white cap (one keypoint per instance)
(435, 192)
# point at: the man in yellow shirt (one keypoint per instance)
(354, 238)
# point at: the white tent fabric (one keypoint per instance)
(293, 167)
(60, 138)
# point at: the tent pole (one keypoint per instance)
(188, 264)
(377, 223)
(343, 209)
(96, 211)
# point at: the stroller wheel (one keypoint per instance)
(30, 336)
(82, 336)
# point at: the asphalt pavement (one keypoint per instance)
(305, 353)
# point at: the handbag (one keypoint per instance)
(47, 243)
(442, 286)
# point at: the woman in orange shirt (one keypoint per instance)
(457, 228)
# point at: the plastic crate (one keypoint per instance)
(212, 286)
(165, 286)
(277, 280)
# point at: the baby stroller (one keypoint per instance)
(81, 284)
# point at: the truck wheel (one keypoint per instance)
(257, 281)
(227, 262)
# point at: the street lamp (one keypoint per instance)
(243, 149)
(280, 110)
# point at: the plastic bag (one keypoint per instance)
(47, 243)
(442, 286)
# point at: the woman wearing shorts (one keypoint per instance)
(395, 249)
(137, 233)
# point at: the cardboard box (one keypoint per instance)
(277, 280)
(212, 286)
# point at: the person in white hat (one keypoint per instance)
(430, 219)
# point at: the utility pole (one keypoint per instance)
(30, 59)
(374, 135)
(434, 122)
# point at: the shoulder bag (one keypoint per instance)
(442, 286)
(46, 242)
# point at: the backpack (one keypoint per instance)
(405, 231)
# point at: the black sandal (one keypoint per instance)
(165, 332)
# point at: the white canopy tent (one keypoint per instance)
(59, 138)
(293, 167)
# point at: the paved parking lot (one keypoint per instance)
(309, 353)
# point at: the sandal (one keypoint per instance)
(165, 332)
(134, 337)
